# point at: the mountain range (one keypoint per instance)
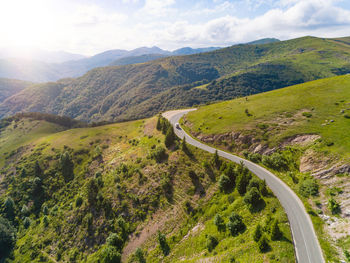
(117, 93)
(42, 66)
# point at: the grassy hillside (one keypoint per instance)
(301, 133)
(319, 107)
(9, 87)
(67, 192)
(141, 90)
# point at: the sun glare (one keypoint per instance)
(25, 23)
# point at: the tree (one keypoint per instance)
(163, 244)
(92, 191)
(263, 188)
(276, 233)
(7, 237)
(139, 255)
(225, 184)
(212, 242)
(257, 233)
(170, 137)
(263, 244)
(24, 210)
(184, 147)
(38, 172)
(231, 172)
(219, 222)
(216, 160)
(23, 173)
(110, 255)
(45, 210)
(254, 182)
(235, 224)
(26, 222)
(242, 183)
(159, 123)
(9, 208)
(67, 166)
(252, 197)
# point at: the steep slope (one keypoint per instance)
(86, 195)
(136, 91)
(9, 87)
(301, 132)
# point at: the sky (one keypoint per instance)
(92, 26)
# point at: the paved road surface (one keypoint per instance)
(306, 244)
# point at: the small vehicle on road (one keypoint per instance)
(177, 126)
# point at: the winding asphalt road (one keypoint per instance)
(307, 248)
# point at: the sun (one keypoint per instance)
(25, 23)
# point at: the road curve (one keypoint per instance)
(307, 248)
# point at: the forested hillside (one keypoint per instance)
(128, 191)
(141, 90)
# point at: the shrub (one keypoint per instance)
(308, 187)
(263, 244)
(307, 114)
(212, 242)
(219, 222)
(276, 233)
(139, 256)
(252, 197)
(7, 237)
(163, 244)
(333, 206)
(116, 241)
(159, 154)
(275, 161)
(257, 233)
(110, 255)
(235, 224)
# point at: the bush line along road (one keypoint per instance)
(307, 248)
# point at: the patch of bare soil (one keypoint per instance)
(302, 140)
(159, 221)
(149, 127)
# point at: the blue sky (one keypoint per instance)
(92, 26)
